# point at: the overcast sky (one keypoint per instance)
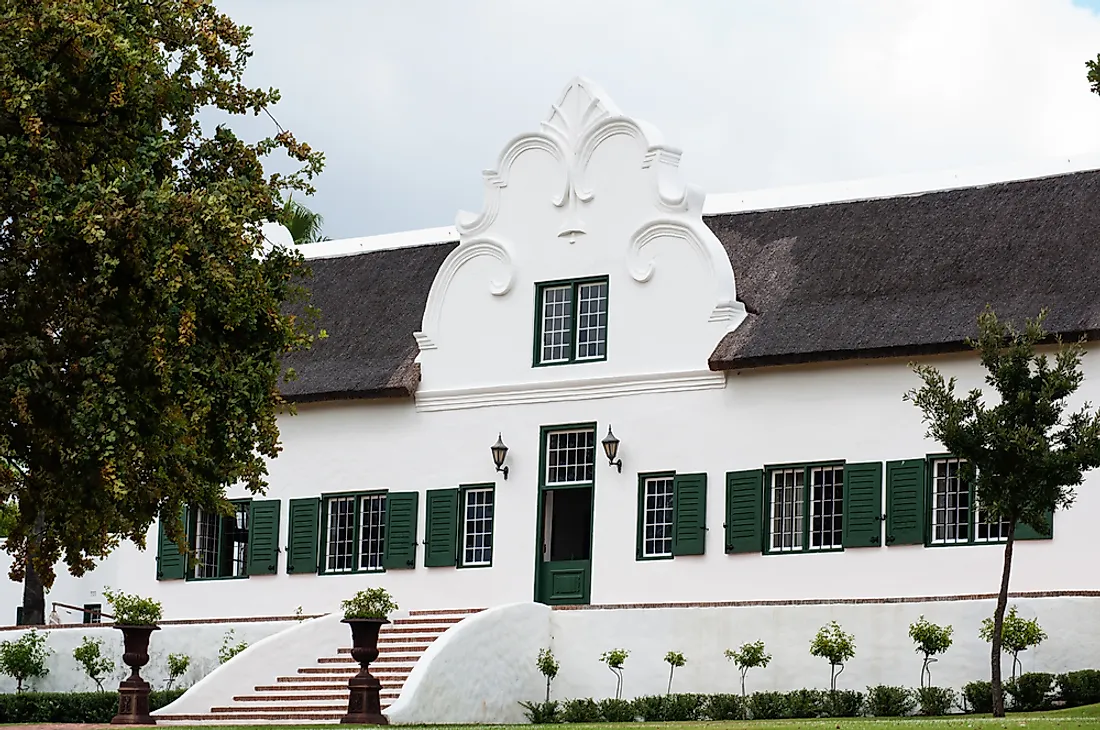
(411, 99)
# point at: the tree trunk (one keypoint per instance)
(34, 594)
(998, 626)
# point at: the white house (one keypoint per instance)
(750, 354)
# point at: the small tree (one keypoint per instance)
(675, 659)
(748, 657)
(548, 667)
(24, 658)
(614, 660)
(90, 656)
(1024, 455)
(228, 651)
(1017, 634)
(177, 666)
(833, 644)
(931, 639)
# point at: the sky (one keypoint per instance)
(411, 100)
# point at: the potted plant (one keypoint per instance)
(137, 618)
(365, 612)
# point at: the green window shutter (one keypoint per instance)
(171, 564)
(689, 522)
(401, 510)
(304, 519)
(263, 537)
(442, 533)
(744, 517)
(863, 505)
(1027, 532)
(905, 502)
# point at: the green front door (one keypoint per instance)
(564, 574)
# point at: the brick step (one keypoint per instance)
(425, 620)
(417, 638)
(341, 707)
(415, 630)
(446, 611)
(296, 687)
(286, 697)
(296, 684)
(382, 657)
(244, 715)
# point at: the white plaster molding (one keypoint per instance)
(709, 251)
(568, 390)
(466, 251)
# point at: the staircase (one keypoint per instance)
(319, 693)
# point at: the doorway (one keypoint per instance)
(564, 574)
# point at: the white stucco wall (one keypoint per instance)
(200, 641)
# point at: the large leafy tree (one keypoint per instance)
(1024, 454)
(143, 316)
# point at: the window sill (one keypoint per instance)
(648, 558)
(351, 572)
(964, 544)
(804, 552)
(475, 566)
(192, 579)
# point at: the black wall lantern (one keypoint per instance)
(611, 448)
(499, 452)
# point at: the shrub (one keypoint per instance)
(885, 701)
(615, 710)
(24, 658)
(721, 707)
(931, 639)
(1030, 692)
(228, 651)
(614, 660)
(131, 610)
(1079, 688)
(670, 708)
(768, 705)
(844, 703)
(541, 713)
(804, 703)
(1017, 635)
(978, 696)
(90, 656)
(833, 644)
(748, 657)
(674, 659)
(371, 603)
(585, 710)
(936, 701)
(548, 667)
(177, 666)
(66, 707)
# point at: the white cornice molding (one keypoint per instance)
(568, 390)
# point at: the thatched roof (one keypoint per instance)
(872, 278)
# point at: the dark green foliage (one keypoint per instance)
(724, 707)
(584, 710)
(844, 703)
(978, 696)
(613, 710)
(1079, 688)
(804, 703)
(885, 701)
(671, 708)
(86, 707)
(1031, 691)
(936, 701)
(541, 713)
(767, 705)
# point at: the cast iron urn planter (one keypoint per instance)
(133, 692)
(364, 703)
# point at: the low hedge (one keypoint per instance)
(1079, 688)
(85, 707)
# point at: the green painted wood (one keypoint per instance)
(744, 511)
(863, 505)
(689, 524)
(906, 490)
(263, 537)
(401, 510)
(171, 563)
(1027, 532)
(304, 522)
(441, 534)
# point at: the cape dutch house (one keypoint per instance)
(751, 363)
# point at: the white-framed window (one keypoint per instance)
(572, 321)
(477, 526)
(355, 533)
(787, 496)
(826, 507)
(957, 515)
(805, 505)
(220, 543)
(570, 456)
(657, 516)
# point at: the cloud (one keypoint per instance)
(411, 100)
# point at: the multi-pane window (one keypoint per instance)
(93, 613)
(220, 543)
(477, 526)
(797, 493)
(572, 322)
(957, 517)
(570, 456)
(355, 533)
(657, 516)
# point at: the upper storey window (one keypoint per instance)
(571, 324)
